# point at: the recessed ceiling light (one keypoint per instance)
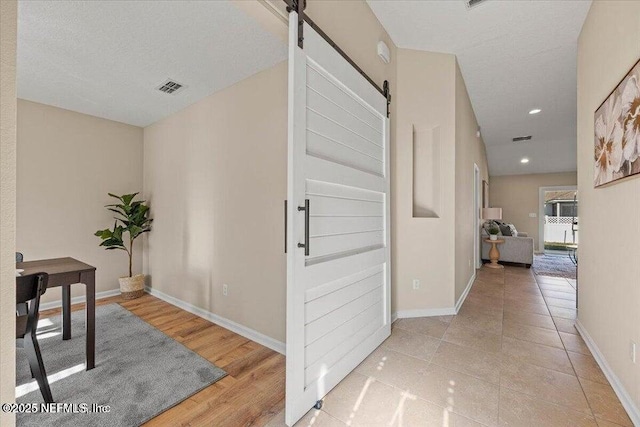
(535, 111)
(524, 160)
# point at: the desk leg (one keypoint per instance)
(89, 280)
(66, 312)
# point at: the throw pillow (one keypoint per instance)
(514, 232)
(505, 230)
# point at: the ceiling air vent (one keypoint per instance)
(473, 3)
(522, 138)
(171, 87)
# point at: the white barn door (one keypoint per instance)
(338, 270)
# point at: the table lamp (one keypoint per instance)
(491, 213)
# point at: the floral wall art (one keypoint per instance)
(617, 131)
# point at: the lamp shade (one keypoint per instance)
(491, 213)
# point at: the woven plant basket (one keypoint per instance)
(132, 287)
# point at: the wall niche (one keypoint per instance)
(426, 173)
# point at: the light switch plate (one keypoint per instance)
(533, 215)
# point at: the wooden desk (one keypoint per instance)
(65, 272)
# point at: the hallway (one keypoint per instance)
(510, 357)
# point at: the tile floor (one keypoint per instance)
(511, 357)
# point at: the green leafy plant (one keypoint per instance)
(132, 217)
(494, 230)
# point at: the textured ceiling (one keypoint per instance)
(105, 58)
(515, 56)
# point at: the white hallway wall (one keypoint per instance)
(609, 271)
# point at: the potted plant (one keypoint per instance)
(132, 217)
(493, 233)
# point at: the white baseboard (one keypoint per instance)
(79, 299)
(394, 317)
(425, 312)
(465, 293)
(239, 329)
(623, 395)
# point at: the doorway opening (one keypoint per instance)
(558, 220)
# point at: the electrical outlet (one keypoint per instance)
(416, 284)
(225, 289)
(469, 262)
(632, 351)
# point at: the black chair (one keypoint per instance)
(29, 289)
(22, 308)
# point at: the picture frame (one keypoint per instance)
(617, 131)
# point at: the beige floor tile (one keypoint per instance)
(533, 334)
(392, 368)
(558, 288)
(603, 423)
(574, 343)
(542, 383)
(523, 298)
(531, 319)
(562, 303)
(511, 279)
(318, 418)
(479, 364)
(491, 305)
(604, 403)
(362, 401)
(518, 409)
(560, 295)
(412, 343)
(432, 326)
(565, 313)
(450, 371)
(481, 321)
(587, 367)
(551, 280)
(486, 291)
(458, 392)
(418, 412)
(565, 325)
(313, 418)
(528, 289)
(536, 354)
(519, 306)
(467, 337)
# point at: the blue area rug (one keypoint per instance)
(555, 266)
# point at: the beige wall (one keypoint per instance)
(423, 248)
(67, 163)
(8, 28)
(470, 150)
(224, 173)
(609, 268)
(518, 195)
(216, 177)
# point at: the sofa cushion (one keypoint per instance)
(505, 230)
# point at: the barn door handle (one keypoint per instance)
(305, 245)
(285, 226)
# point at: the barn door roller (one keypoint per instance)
(299, 6)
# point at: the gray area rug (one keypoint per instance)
(554, 265)
(140, 372)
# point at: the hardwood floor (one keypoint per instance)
(251, 394)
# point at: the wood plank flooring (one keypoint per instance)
(250, 395)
